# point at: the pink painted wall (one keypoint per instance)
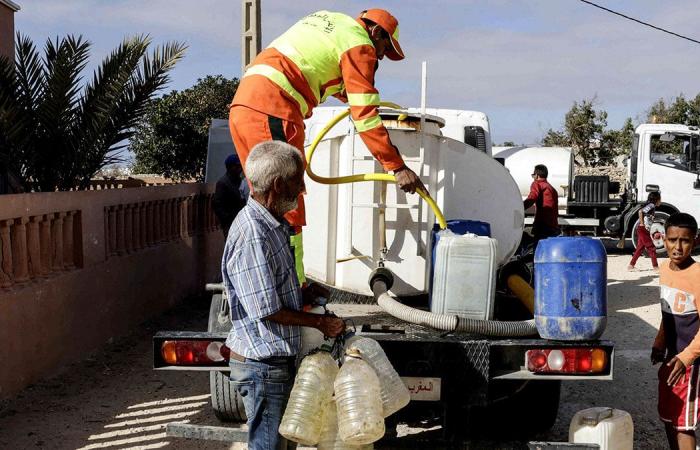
(69, 305)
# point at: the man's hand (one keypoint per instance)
(657, 355)
(313, 291)
(408, 181)
(331, 326)
(677, 371)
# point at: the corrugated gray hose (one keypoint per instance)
(380, 284)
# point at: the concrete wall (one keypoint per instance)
(77, 268)
(7, 31)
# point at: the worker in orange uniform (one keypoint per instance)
(325, 53)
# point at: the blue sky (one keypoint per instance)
(521, 62)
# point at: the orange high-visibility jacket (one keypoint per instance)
(323, 54)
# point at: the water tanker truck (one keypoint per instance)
(372, 245)
(663, 157)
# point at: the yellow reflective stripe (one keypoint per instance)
(367, 124)
(396, 33)
(280, 80)
(363, 99)
(297, 244)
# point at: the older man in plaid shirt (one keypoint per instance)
(264, 293)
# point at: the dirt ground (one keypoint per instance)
(114, 400)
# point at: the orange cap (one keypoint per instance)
(389, 24)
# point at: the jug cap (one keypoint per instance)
(353, 352)
(594, 416)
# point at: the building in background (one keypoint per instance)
(7, 27)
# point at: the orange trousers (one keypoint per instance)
(249, 128)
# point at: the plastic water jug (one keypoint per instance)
(570, 288)
(311, 338)
(460, 226)
(464, 282)
(394, 392)
(329, 433)
(311, 394)
(358, 401)
(611, 429)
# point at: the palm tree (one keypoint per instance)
(56, 131)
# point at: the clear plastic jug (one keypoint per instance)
(358, 401)
(329, 433)
(394, 392)
(311, 394)
(611, 429)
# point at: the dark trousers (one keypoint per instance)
(644, 242)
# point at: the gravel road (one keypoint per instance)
(113, 399)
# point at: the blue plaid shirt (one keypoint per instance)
(260, 279)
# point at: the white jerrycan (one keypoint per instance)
(611, 429)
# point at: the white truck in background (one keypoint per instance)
(663, 157)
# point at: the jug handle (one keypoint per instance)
(598, 417)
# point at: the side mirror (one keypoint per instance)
(696, 184)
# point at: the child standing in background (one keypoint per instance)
(677, 344)
(646, 218)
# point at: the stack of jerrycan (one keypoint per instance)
(367, 389)
(311, 396)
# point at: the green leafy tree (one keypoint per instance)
(509, 144)
(555, 138)
(584, 128)
(171, 140)
(616, 142)
(57, 131)
(680, 110)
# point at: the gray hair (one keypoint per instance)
(270, 160)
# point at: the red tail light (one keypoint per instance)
(192, 353)
(574, 361)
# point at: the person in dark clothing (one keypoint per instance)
(231, 193)
(546, 201)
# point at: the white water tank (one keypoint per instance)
(521, 162)
(342, 236)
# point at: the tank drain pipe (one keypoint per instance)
(380, 282)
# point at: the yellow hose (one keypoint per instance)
(384, 177)
(523, 291)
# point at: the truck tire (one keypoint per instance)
(659, 218)
(225, 401)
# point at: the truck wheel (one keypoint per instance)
(227, 404)
(658, 226)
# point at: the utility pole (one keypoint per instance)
(251, 32)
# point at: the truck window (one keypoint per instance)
(672, 150)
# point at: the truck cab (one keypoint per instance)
(664, 158)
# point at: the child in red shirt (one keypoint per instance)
(644, 242)
(677, 344)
